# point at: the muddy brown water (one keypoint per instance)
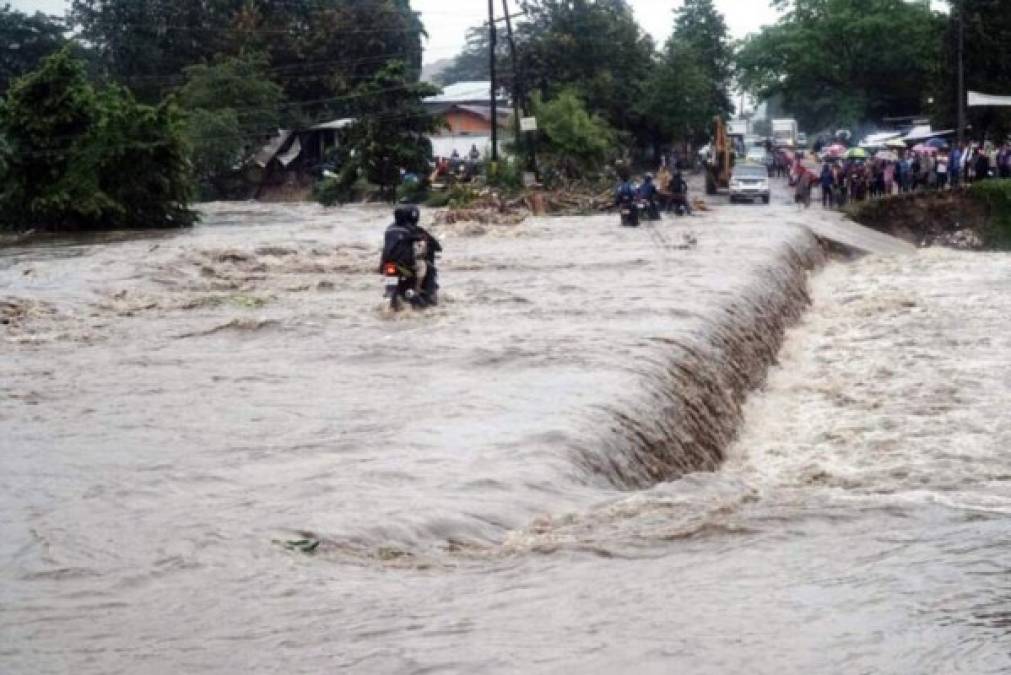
(559, 470)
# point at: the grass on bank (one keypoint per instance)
(995, 197)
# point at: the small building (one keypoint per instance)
(466, 109)
(292, 160)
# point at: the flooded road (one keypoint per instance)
(530, 478)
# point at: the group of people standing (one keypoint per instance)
(934, 169)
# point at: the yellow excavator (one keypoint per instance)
(720, 163)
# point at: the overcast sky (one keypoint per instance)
(448, 20)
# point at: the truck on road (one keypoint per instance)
(784, 133)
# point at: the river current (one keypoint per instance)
(697, 447)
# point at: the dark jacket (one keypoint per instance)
(398, 245)
(982, 166)
(827, 178)
(647, 190)
(626, 192)
(678, 186)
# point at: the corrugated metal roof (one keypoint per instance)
(923, 133)
(272, 147)
(484, 111)
(464, 92)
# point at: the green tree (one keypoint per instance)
(392, 128)
(322, 50)
(844, 62)
(319, 49)
(593, 48)
(231, 108)
(987, 66)
(78, 158)
(147, 45)
(678, 99)
(574, 141)
(26, 40)
(473, 62)
(700, 28)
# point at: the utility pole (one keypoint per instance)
(961, 73)
(493, 41)
(517, 89)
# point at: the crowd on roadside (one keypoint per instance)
(928, 168)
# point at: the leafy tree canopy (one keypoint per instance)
(679, 95)
(81, 158)
(574, 140)
(392, 128)
(844, 61)
(700, 28)
(319, 49)
(26, 40)
(593, 48)
(987, 66)
(473, 63)
(230, 108)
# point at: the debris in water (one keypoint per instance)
(233, 257)
(14, 312)
(244, 325)
(276, 251)
(248, 301)
(307, 546)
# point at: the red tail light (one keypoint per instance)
(390, 270)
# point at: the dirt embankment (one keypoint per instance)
(962, 219)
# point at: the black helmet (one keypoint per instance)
(407, 214)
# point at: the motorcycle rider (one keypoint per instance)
(647, 192)
(411, 247)
(626, 191)
(679, 194)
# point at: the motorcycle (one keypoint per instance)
(399, 287)
(650, 209)
(634, 211)
(631, 212)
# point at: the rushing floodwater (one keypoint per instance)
(490, 483)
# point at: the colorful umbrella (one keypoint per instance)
(856, 153)
(836, 150)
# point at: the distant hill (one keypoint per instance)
(432, 70)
